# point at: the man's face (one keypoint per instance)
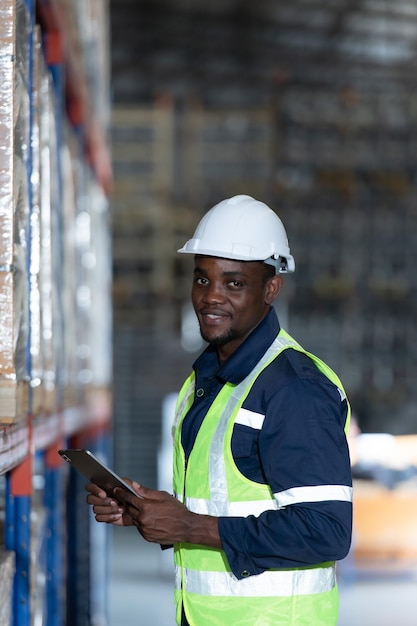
(230, 299)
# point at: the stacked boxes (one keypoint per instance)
(14, 210)
(54, 241)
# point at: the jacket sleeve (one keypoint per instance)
(304, 457)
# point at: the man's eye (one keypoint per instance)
(236, 284)
(200, 281)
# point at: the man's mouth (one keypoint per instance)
(214, 317)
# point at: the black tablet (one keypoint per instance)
(94, 470)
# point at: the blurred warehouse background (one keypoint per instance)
(310, 106)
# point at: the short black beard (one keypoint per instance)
(217, 342)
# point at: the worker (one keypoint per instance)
(261, 477)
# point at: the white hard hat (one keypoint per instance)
(244, 229)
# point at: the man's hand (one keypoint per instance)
(161, 518)
(107, 509)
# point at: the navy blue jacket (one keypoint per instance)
(301, 443)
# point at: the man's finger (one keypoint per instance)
(96, 490)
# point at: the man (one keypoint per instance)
(262, 483)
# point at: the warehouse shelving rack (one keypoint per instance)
(48, 529)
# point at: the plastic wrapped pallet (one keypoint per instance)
(7, 570)
(93, 28)
(98, 281)
(36, 374)
(71, 165)
(49, 259)
(101, 280)
(43, 267)
(88, 34)
(14, 210)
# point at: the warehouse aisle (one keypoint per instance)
(141, 584)
(141, 590)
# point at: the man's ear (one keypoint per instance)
(273, 287)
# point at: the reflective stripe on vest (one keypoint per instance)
(296, 495)
(233, 509)
(272, 583)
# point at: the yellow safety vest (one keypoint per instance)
(212, 484)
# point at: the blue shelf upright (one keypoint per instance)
(54, 503)
(18, 537)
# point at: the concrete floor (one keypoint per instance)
(141, 589)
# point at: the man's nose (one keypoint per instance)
(214, 292)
